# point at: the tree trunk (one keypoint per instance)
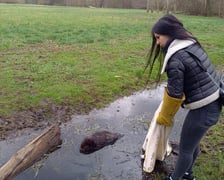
(221, 8)
(167, 6)
(148, 6)
(31, 153)
(207, 7)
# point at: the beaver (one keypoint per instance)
(98, 140)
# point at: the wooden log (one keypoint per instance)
(31, 153)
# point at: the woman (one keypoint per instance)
(188, 85)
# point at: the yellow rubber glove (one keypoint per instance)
(169, 109)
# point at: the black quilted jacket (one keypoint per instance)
(186, 76)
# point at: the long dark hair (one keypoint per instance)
(166, 25)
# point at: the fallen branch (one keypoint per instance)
(31, 153)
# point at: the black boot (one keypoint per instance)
(188, 176)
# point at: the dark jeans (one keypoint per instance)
(196, 124)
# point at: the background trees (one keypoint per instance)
(194, 7)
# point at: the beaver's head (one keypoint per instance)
(87, 146)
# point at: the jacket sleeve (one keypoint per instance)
(175, 72)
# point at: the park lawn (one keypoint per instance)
(89, 56)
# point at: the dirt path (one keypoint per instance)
(34, 118)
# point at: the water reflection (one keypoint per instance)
(128, 116)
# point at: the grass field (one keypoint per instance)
(89, 56)
(70, 55)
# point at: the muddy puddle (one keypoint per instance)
(129, 116)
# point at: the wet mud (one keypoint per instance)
(129, 116)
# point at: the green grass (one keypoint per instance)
(211, 160)
(66, 25)
(71, 56)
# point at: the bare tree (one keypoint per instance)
(207, 7)
(148, 6)
(101, 3)
(175, 5)
(220, 8)
(167, 6)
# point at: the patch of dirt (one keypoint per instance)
(37, 118)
